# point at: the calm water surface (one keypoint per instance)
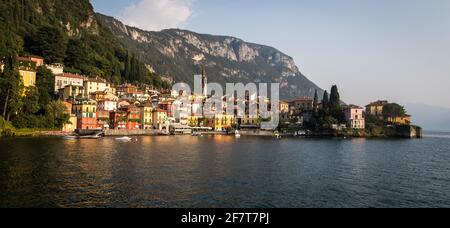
(222, 171)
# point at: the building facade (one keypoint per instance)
(354, 116)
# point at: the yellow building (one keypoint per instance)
(146, 116)
(376, 108)
(400, 120)
(221, 122)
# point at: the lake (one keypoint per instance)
(221, 171)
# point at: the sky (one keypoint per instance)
(397, 50)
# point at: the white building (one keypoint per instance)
(92, 85)
(66, 79)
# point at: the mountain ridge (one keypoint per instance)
(171, 53)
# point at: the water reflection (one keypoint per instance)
(222, 171)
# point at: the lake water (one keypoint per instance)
(221, 171)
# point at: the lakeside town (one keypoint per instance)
(93, 104)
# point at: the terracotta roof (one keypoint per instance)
(69, 75)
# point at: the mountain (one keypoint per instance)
(171, 53)
(68, 32)
(431, 118)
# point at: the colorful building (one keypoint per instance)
(86, 113)
(103, 119)
(354, 116)
(27, 70)
(118, 119)
(221, 122)
(146, 116)
(123, 90)
(72, 125)
(400, 120)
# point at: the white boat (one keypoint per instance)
(237, 134)
(196, 134)
(124, 139)
(68, 137)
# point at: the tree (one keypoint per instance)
(393, 110)
(335, 99)
(325, 100)
(335, 104)
(316, 101)
(78, 56)
(49, 43)
(56, 115)
(31, 101)
(11, 88)
(45, 84)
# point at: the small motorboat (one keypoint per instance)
(196, 134)
(124, 139)
(237, 134)
(277, 135)
(70, 137)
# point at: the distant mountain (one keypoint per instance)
(227, 59)
(432, 118)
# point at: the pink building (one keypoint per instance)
(354, 115)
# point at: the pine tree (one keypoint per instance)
(316, 101)
(325, 100)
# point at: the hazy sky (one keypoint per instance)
(372, 49)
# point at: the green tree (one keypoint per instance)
(48, 42)
(31, 101)
(45, 84)
(335, 104)
(56, 115)
(393, 110)
(316, 101)
(11, 88)
(325, 100)
(78, 55)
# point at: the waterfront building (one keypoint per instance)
(146, 110)
(86, 113)
(65, 79)
(376, 108)
(118, 119)
(301, 105)
(354, 116)
(221, 122)
(72, 124)
(159, 119)
(103, 120)
(399, 120)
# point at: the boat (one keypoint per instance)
(70, 137)
(237, 134)
(277, 135)
(124, 139)
(196, 134)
